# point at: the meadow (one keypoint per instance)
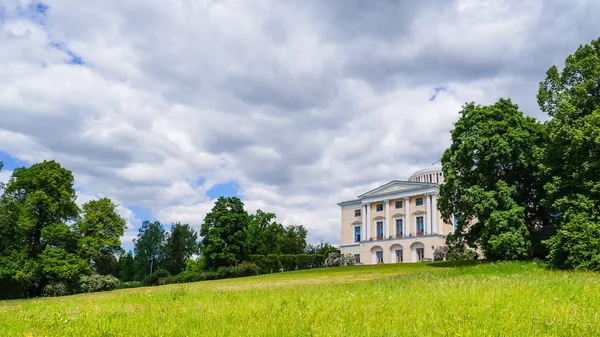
(427, 299)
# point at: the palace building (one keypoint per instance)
(396, 222)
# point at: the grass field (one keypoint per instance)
(428, 299)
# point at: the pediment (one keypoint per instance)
(394, 187)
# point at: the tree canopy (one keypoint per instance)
(571, 157)
(491, 183)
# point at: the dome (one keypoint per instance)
(431, 174)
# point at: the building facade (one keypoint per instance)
(396, 222)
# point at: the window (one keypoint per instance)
(398, 204)
(356, 233)
(438, 177)
(356, 258)
(379, 207)
(399, 255)
(379, 256)
(357, 212)
(420, 227)
(419, 202)
(430, 178)
(399, 229)
(379, 230)
(420, 254)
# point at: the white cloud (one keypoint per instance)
(303, 103)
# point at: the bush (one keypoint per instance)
(247, 269)
(340, 260)
(226, 272)
(94, 283)
(440, 253)
(153, 278)
(188, 276)
(132, 284)
(210, 275)
(56, 289)
(288, 261)
(460, 253)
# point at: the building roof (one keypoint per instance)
(392, 187)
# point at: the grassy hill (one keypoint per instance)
(503, 299)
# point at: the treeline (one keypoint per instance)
(520, 189)
(50, 246)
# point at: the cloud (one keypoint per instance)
(302, 104)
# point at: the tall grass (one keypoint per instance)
(504, 299)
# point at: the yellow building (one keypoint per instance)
(396, 222)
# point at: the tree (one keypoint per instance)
(491, 182)
(224, 233)
(100, 232)
(293, 240)
(37, 245)
(264, 235)
(182, 244)
(322, 248)
(148, 248)
(571, 158)
(126, 267)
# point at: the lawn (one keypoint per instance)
(427, 299)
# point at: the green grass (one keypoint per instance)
(428, 299)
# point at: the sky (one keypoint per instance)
(293, 106)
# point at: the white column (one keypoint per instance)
(428, 215)
(363, 230)
(386, 224)
(434, 228)
(368, 231)
(406, 223)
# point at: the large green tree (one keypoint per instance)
(149, 248)
(224, 233)
(491, 184)
(181, 244)
(37, 246)
(571, 97)
(99, 234)
(264, 235)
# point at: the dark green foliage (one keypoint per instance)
(126, 267)
(492, 182)
(571, 158)
(152, 279)
(323, 248)
(149, 248)
(294, 240)
(224, 234)
(459, 253)
(273, 263)
(181, 244)
(288, 261)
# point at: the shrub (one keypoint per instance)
(153, 278)
(188, 276)
(56, 289)
(93, 283)
(210, 275)
(340, 260)
(288, 261)
(440, 253)
(132, 284)
(456, 253)
(247, 269)
(227, 272)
